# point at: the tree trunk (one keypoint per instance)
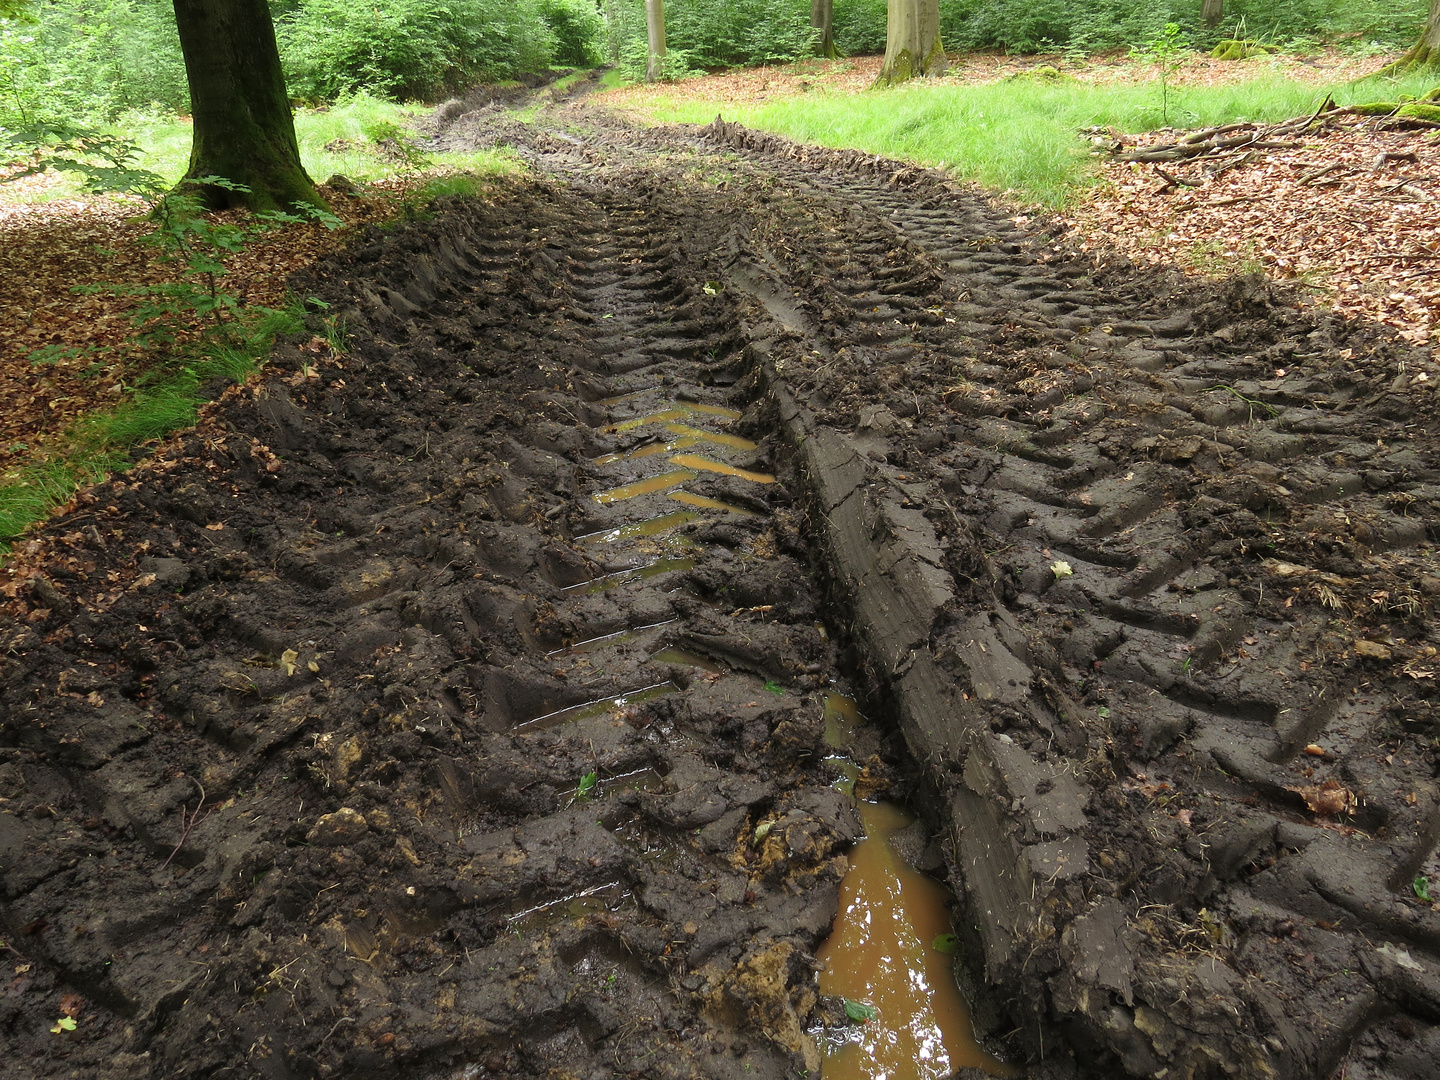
(1425, 52)
(912, 41)
(822, 18)
(244, 130)
(655, 30)
(1211, 12)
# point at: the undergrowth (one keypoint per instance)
(1020, 135)
(344, 138)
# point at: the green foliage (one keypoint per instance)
(196, 243)
(709, 34)
(103, 160)
(1421, 888)
(1168, 50)
(410, 49)
(86, 61)
(578, 29)
(1025, 26)
(859, 1012)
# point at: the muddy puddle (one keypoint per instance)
(891, 953)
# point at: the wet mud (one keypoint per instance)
(457, 706)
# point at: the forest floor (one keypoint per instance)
(458, 703)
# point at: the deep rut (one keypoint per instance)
(454, 707)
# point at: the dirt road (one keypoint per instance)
(453, 707)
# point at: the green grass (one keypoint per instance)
(353, 122)
(101, 442)
(1019, 135)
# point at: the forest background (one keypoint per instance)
(97, 61)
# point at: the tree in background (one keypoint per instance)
(912, 41)
(822, 19)
(1426, 51)
(244, 130)
(1211, 12)
(655, 34)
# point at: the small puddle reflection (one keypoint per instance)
(691, 499)
(678, 411)
(673, 655)
(650, 527)
(735, 442)
(648, 450)
(704, 464)
(598, 708)
(608, 897)
(605, 640)
(646, 487)
(621, 577)
(890, 953)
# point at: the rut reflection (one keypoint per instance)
(891, 950)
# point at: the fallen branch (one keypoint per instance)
(1172, 181)
(188, 823)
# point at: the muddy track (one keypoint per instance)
(421, 712)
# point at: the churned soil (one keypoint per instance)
(453, 706)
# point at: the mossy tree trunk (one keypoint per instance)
(912, 41)
(243, 127)
(822, 18)
(1426, 51)
(1211, 12)
(655, 32)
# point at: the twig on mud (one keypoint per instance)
(188, 823)
(333, 1026)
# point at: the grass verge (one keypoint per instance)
(103, 441)
(1019, 135)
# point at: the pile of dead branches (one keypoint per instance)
(1239, 139)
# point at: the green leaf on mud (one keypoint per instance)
(763, 830)
(586, 785)
(945, 943)
(860, 1012)
(774, 687)
(1103, 713)
(1421, 885)
(64, 1024)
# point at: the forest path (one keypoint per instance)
(625, 466)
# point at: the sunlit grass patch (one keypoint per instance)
(1021, 135)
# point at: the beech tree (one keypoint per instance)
(822, 18)
(1211, 12)
(655, 33)
(244, 130)
(1426, 51)
(912, 41)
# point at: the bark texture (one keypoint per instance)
(1426, 51)
(912, 41)
(822, 18)
(655, 31)
(244, 129)
(1211, 12)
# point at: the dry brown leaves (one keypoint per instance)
(1353, 214)
(48, 248)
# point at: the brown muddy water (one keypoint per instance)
(890, 954)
